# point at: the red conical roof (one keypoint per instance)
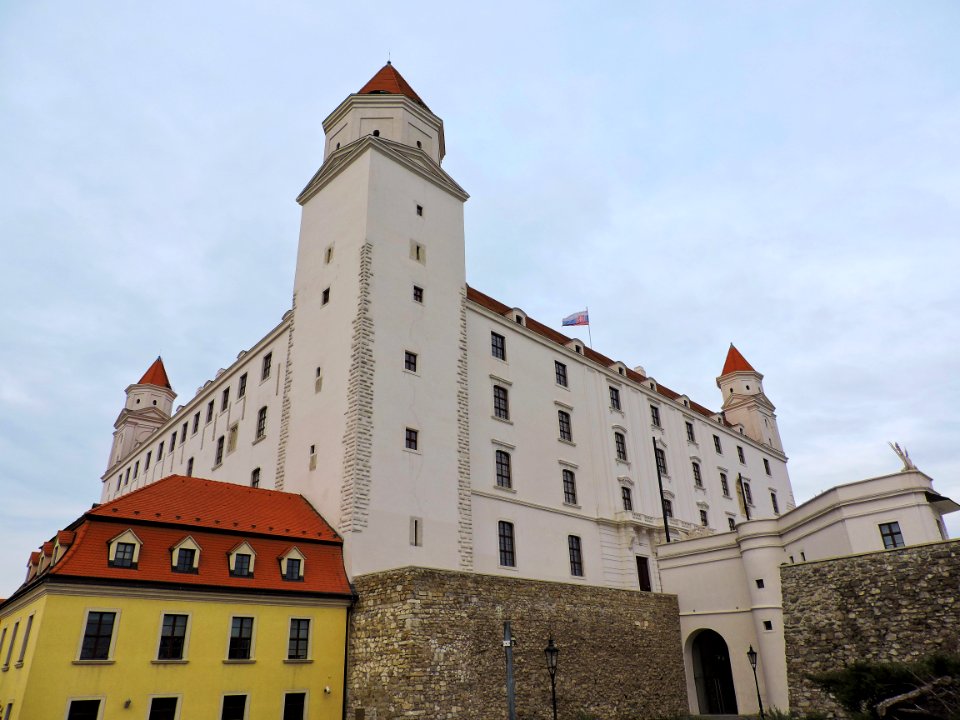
(735, 362)
(388, 81)
(156, 374)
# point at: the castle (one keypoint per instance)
(439, 429)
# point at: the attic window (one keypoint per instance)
(124, 550)
(419, 144)
(242, 560)
(376, 133)
(621, 371)
(291, 565)
(185, 556)
(578, 349)
(519, 319)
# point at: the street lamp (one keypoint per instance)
(752, 657)
(551, 651)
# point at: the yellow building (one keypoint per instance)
(186, 599)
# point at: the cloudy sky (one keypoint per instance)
(782, 175)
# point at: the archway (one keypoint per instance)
(712, 674)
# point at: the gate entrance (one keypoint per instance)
(712, 674)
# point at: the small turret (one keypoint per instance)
(744, 402)
(149, 405)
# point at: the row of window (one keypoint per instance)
(508, 554)
(13, 641)
(232, 707)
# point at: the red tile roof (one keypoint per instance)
(389, 81)
(156, 374)
(65, 537)
(735, 362)
(220, 506)
(550, 334)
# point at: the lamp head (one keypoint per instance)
(752, 657)
(551, 651)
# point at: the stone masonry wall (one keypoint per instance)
(895, 605)
(428, 644)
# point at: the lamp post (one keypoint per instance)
(752, 657)
(551, 651)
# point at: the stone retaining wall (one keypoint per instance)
(428, 644)
(896, 605)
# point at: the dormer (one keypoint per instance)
(576, 344)
(123, 551)
(650, 383)
(62, 543)
(185, 556)
(241, 560)
(517, 315)
(46, 557)
(292, 565)
(386, 107)
(683, 400)
(33, 565)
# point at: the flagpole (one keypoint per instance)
(589, 333)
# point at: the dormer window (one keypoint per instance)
(185, 556)
(242, 560)
(124, 550)
(291, 565)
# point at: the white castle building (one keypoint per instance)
(435, 426)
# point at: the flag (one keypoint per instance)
(578, 318)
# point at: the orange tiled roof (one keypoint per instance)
(47, 549)
(389, 81)
(735, 362)
(550, 334)
(199, 503)
(156, 374)
(66, 537)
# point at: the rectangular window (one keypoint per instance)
(566, 431)
(325, 296)
(766, 466)
(505, 536)
(183, 434)
(667, 508)
(293, 570)
(892, 537)
(621, 445)
(97, 636)
(716, 444)
(747, 494)
(731, 523)
(410, 361)
(265, 367)
(661, 461)
(146, 463)
(255, 477)
(3, 637)
(504, 473)
(261, 422)
(299, 639)
(123, 555)
(160, 452)
(724, 485)
(703, 518)
(173, 635)
(643, 573)
(614, 398)
(417, 294)
(576, 556)
(498, 346)
(294, 705)
(185, 558)
(164, 708)
(569, 487)
(234, 707)
(560, 370)
(26, 639)
(774, 503)
(697, 477)
(224, 399)
(190, 467)
(218, 457)
(501, 405)
(173, 440)
(13, 641)
(690, 436)
(740, 455)
(136, 469)
(241, 565)
(241, 638)
(84, 710)
(655, 415)
(627, 496)
(412, 439)
(242, 386)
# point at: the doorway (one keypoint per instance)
(712, 674)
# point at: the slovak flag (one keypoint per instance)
(578, 318)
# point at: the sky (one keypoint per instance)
(784, 176)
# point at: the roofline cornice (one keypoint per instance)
(189, 529)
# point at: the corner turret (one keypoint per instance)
(149, 405)
(744, 402)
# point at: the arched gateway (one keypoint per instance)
(712, 674)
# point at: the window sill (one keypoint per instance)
(264, 379)
(701, 488)
(621, 461)
(303, 661)
(19, 664)
(259, 439)
(658, 428)
(217, 466)
(571, 443)
(412, 451)
(693, 442)
(503, 488)
(572, 505)
(239, 662)
(169, 662)
(411, 372)
(511, 568)
(505, 421)
(92, 662)
(563, 387)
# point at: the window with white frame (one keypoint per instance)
(569, 486)
(504, 470)
(620, 443)
(501, 403)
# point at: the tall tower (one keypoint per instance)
(373, 429)
(744, 402)
(149, 405)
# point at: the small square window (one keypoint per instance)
(234, 707)
(768, 625)
(410, 361)
(412, 439)
(163, 708)
(891, 535)
(420, 210)
(417, 294)
(760, 584)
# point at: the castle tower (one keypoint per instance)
(149, 405)
(374, 433)
(744, 402)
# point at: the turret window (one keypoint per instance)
(218, 458)
(569, 487)
(196, 423)
(704, 520)
(891, 535)
(190, 467)
(146, 463)
(774, 503)
(724, 485)
(224, 399)
(160, 452)
(255, 478)
(566, 429)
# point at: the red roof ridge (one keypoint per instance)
(387, 81)
(156, 374)
(735, 362)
